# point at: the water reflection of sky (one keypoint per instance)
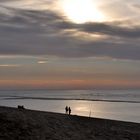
(110, 110)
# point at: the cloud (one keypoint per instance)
(34, 32)
(42, 62)
(136, 7)
(9, 65)
(108, 29)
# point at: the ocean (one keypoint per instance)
(110, 104)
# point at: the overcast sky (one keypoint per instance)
(69, 44)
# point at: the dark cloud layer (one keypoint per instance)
(107, 29)
(31, 32)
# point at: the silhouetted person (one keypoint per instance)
(66, 109)
(69, 110)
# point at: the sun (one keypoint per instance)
(81, 11)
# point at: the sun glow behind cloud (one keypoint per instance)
(81, 11)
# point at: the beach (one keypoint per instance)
(24, 124)
(120, 105)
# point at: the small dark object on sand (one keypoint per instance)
(21, 107)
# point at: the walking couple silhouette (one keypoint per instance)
(68, 110)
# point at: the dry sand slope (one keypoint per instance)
(18, 124)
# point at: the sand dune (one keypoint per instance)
(20, 124)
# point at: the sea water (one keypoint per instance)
(111, 104)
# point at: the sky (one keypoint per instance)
(69, 44)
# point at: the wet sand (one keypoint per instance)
(23, 124)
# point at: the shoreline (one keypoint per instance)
(69, 99)
(40, 125)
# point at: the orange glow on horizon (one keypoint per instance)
(67, 84)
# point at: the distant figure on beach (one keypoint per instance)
(69, 110)
(66, 109)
